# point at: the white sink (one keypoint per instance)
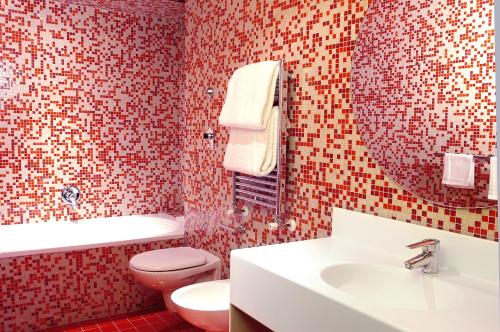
(393, 287)
(355, 281)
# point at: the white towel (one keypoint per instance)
(250, 96)
(253, 152)
(493, 187)
(458, 171)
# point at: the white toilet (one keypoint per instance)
(204, 305)
(169, 269)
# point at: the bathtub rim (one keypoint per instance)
(176, 234)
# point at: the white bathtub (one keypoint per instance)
(50, 237)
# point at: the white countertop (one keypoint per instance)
(281, 285)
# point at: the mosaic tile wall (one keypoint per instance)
(328, 163)
(423, 84)
(42, 291)
(91, 98)
(152, 8)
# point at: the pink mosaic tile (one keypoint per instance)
(328, 163)
(93, 100)
(90, 97)
(42, 291)
(423, 84)
(166, 9)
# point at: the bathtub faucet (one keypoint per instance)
(70, 195)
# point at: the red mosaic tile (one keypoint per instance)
(67, 117)
(152, 8)
(41, 291)
(90, 98)
(328, 163)
(161, 321)
(422, 84)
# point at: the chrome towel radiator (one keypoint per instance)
(267, 191)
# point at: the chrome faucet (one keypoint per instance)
(428, 259)
(70, 195)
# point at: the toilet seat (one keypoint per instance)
(169, 269)
(171, 259)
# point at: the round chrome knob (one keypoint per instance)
(70, 195)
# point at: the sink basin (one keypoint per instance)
(393, 287)
(355, 280)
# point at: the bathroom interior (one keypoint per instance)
(248, 165)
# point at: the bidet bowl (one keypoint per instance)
(204, 305)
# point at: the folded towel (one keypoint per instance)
(253, 152)
(458, 171)
(493, 187)
(250, 96)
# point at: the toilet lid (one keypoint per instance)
(168, 259)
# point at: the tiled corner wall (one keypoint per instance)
(42, 291)
(90, 97)
(328, 163)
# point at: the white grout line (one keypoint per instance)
(158, 316)
(113, 322)
(148, 323)
(133, 326)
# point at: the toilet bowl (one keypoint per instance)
(169, 269)
(204, 305)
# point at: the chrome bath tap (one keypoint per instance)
(428, 259)
(70, 195)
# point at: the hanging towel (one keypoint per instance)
(458, 171)
(493, 187)
(253, 152)
(250, 96)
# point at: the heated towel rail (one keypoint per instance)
(267, 190)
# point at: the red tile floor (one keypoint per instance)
(162, 321)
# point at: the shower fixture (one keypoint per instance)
(209, 136)
(210, 92)
(70, 196)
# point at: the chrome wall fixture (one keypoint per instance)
(209, 136)
(429, 258)
(210, 92)
(70, 195)
(267, 191)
